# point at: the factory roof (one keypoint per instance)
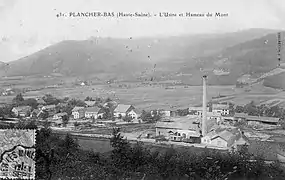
(257, 118)
(220, 106)
(263, 119)
(240, 115)
(185, 123)
(197, 108)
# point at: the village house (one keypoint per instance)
(58, 116)
(161, 112)
(35, 113)
(197, 111)
(90, 103)
(123, 110)
(222, 109)
(61, 105)
(22, 111)
(93, 112)
(48, 107)
(40, 101)
(51, 109)
(78, 112)
(179, 129)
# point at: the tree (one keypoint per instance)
(107, 113)
(282, 123)
(65, 119)
(108, 100)
(31, 102)
(251, 109)
(151, 118)
(44, 115)
(88, 99)
(98, 100)
(127, 118)
(121, 149)
(182, 112)
(19, 97)
(65, 99)
(146, 116)
(18, 100)
(6, 110)
(239, 109)
(50, 99)
(231, 108)
(76, 102)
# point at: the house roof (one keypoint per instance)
(23, 108)
(49, 106)
(61, 114)
(90, 103)
(213, 114)
(160, 110)
(240, 115)
(263, 119)
(122, 108)
(220, 106)
(211, 134)
(231, 136)
(226, 135)
(197, 108)
(92, 109)
(36, 111)
(76, 108)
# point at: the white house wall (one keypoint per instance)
(133, 114)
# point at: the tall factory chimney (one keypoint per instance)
(204, 115)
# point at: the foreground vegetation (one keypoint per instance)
(63, 158)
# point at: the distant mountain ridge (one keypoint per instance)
(228, 54)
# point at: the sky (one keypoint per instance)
(27, 26)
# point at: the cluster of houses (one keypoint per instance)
(93, 112)
(89, 111)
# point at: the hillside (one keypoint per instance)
(131, 57)
(253, 58)
(276, 81)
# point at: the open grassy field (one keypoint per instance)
(147, 97)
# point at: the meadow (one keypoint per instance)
(145, 96)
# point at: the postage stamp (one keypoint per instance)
(17, 150)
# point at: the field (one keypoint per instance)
(145, 96)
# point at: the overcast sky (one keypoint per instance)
(30, 25)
